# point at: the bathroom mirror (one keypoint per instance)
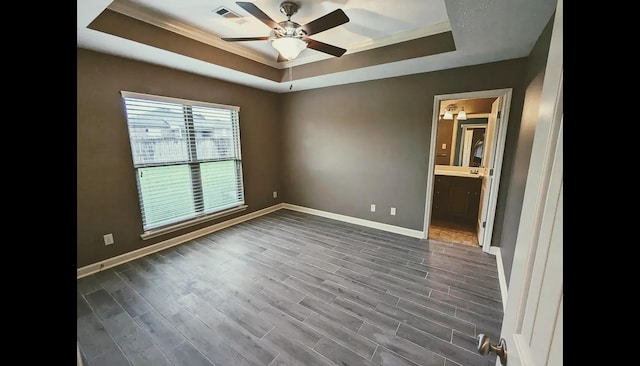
(460, 138)
(471, 146)
(461, 143)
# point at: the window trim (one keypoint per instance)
(185, 224)
(153, 233)
(161, 98)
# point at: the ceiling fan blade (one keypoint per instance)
(323, 47)
(245, 39)
(333, 19)
(252, 9)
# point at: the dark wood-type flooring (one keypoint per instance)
(293, 289)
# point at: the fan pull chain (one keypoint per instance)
(290, 78)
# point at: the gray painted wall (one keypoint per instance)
(337, 149)
(350, 146)
(107, 200)
(520, 142)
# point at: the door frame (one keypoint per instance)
(499, 138)
(532, 326)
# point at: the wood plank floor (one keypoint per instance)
(293, 289)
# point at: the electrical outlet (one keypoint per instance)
(373, 208)
(275, 194)
(108, 239)
(393, 211)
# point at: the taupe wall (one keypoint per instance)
(349, 146)
(107, 200)
(337, 149)
(520, 142)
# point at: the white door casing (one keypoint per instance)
(533, 320)
(488, 162)
(498, 136)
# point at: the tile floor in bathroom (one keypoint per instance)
(453, 233)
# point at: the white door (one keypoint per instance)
(488, 162)
(532, 327)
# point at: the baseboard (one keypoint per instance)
(123, 258)
(126, 257)
(502, 278)
(353, 220)
(78, 356)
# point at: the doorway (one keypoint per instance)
(465, 161)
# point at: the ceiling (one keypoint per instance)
(383, 38)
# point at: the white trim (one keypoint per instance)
(502, 125)
(366, 45)
(500, 139)
(354, 220)
(126, 257)
(502, 278)
(535, 215)
(78, 357)
(160, 20)
(162, 98)
(476, 116)
(150, 16)
(159, 232)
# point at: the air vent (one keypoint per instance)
(226, 13)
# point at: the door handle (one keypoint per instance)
(485, 346)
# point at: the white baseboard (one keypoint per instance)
(78, 357)
(502, 278)
(123, 258)
(353, 220)
(126, 257)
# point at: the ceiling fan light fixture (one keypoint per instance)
(289, 47)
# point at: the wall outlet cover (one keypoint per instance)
(108, 239)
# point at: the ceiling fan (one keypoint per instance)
(289, 37)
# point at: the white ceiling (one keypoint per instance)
(483, 31)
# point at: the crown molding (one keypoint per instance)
(164, 21)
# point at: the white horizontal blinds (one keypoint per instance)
(166, 195)
(187, 157)
(157, 132)
(217, 134)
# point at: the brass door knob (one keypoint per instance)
(485, 346)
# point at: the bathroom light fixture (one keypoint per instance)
(462, 115)
(448, 114)
(289, 47)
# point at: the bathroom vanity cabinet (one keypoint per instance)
(456, 199)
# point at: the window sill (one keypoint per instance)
(182, 225)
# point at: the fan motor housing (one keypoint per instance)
(289, 8)
(289, 29)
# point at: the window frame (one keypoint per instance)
(193, 163)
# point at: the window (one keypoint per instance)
(186, 157)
